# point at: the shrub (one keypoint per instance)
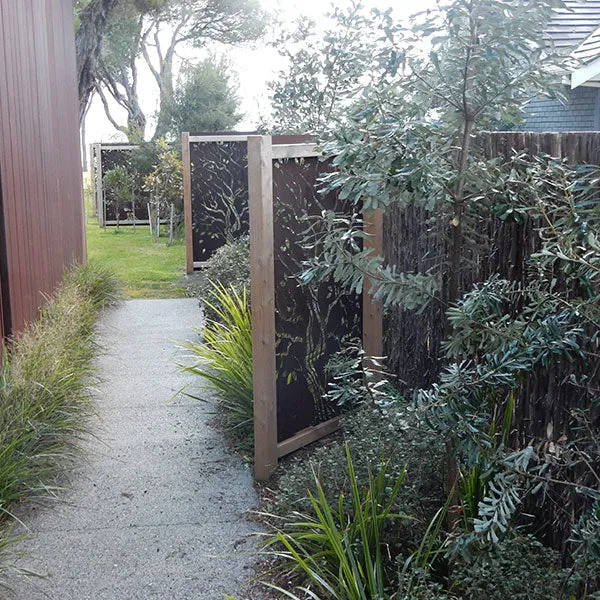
(44, 383)
(520, 568)
(224, 359)
(372, 432)
(229, 266)
(120, 189)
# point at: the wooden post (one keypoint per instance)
(93, 173)
(262, 293)
(187, 202)
(100, 204)
(372, 309)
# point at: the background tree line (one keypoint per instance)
(115, 38)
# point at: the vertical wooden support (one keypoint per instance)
(93, 174)
(100, 204)
(262, 290)
(187, 202)
(372, 309)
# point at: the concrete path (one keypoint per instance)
(157, 508)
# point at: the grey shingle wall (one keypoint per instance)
(579, 114)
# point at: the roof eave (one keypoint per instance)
(585, 74)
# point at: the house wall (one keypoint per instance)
(41, 204)
(580, 113)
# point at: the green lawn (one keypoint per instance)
(148, 269)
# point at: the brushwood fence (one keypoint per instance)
(413, 341)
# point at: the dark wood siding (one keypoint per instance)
(40, 164)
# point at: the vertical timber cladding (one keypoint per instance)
(40, 159)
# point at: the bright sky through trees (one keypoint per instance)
(255, 64)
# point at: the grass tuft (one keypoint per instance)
(44, 398)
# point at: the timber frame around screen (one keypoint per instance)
(267, 450)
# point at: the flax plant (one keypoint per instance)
(224, 359)
(339, 548)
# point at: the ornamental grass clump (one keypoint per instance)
(44, 391)
(338, 547)
(224, 360)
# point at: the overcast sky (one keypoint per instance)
(254, 66)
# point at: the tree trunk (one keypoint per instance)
(88, 42)
(154, 218)
(136, 126)
(165, 99)
(133, 209)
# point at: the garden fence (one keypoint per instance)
(295, 329)
(413, 340)
(215, 179)
(103, 158)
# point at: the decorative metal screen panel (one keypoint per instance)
(219, 186)
(311, 322)
(111, 158)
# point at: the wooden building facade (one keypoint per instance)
(41, 205)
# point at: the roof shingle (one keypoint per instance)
(574, 23)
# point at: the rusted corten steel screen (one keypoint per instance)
(217, 168)
(112, 156)
(313, 322)
(219, 184)
(42, 207)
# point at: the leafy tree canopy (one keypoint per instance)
(327, 67)
(204, 98)
(150, 32)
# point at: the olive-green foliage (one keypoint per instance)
(205, 98)
(224, 359)
(119, 184)
(370, 434)
(44, 390)
(519, 568)
(229, 266)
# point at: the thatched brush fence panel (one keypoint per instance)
(296, 329)
(548, 396)
(412, 243)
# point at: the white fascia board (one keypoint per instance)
(585, 73)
